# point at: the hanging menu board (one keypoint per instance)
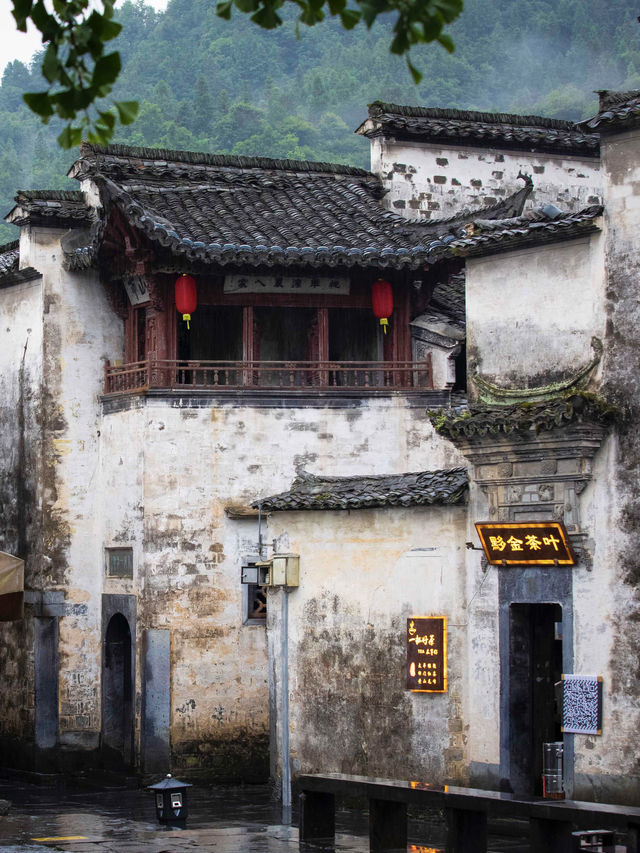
(427, 654)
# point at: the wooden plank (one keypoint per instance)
(317, 817)
(387, 825)
(466, 831)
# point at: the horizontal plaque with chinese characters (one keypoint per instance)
(539, 543)
(427, 654)
(286, 284)
(136, 288)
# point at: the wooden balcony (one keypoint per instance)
(283, 376)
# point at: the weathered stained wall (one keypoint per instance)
(430, 181)
(607, 763)
(20, 495)
(532, 313)
(79, 331)
(169, 470)
(361, 577)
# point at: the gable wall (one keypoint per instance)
(432, 181)
(79, 331)
(620, 538)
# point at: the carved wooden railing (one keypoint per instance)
(268, 375)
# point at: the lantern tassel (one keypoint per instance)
(187, 318)
(384, 322)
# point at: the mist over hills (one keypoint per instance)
(228, 87)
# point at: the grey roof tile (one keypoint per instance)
(260, 212)
(466, 127)
(537, 417)
(310, 492)
(482, 237)
(9, 257)
(51, 207)
(618, 111)
(10, 272)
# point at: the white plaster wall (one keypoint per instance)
(360, 579)
(20, 492)
(607, 636)
(169, 469)
(483, 646)
(20, 346)
(429, 181)
(595, 615)
(79, 332)
(531, 314)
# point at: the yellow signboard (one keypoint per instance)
(536, 543)
(427, 654)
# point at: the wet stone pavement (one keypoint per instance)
(222, 819)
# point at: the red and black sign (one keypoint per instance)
(539, 543)
(427, 654)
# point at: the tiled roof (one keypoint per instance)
(9, 257)
(331, 493)
(448, 300)
(482, 237)
(261, 212)
(10, 272)
(522, 417)
(618, 111)
(466, 127)
(50, 207)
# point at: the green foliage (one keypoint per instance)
(204, 84)
(75, 65)
(81, 74)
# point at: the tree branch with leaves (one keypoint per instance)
(81, 70)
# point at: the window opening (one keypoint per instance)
(119, 562)
(256, 602)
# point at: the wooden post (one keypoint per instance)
(552, 836)
(467, 831)
(387, 825)
(317, 817)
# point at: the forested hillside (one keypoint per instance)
(210, 85)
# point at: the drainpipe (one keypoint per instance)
(285, 758)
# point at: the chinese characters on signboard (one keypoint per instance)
(427, 654)
(136, 288)
(544, 543)
(338, 285)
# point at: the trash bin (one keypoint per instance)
(171, 799)
(552, 781)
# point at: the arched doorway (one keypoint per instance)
(117, 693)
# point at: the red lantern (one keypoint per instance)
(382, 302)
(186, 297)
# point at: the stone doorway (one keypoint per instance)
(118, 684)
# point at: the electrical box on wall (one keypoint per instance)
(255, 573)
(279, 570)
(285, 570)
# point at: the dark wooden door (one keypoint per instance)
(535, 666)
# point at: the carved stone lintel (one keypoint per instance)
(535, 475)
